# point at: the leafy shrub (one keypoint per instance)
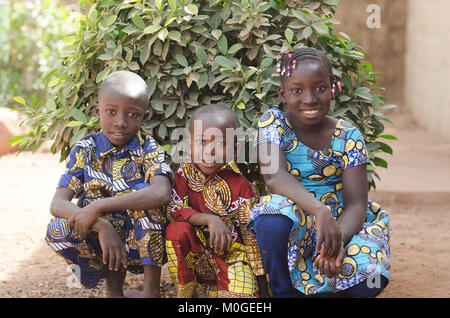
(199, 52)
(29, 35)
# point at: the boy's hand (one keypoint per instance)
(219, 237)
(113, 249)
(330, 267)
(83, 220)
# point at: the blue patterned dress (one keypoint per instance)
(320, 172)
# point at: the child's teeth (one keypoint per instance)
(311, 111)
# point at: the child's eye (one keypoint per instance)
(296, 90)
(321, 89)
(110, 111)
(134, 115)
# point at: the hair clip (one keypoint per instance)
(278, 67)
(294, 64)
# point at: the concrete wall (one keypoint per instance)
(385, 45)
(427, 62)
(411, 47)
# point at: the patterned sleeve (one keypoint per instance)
(269, 126)
(178, 208)
(154, 162)
(355, 149)
(247, 198)
(73, 177)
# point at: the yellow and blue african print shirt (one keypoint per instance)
(98, 169)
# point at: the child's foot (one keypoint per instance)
(152, 276)
(114, 284)
(149, 292)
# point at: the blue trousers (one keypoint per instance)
(272, 234)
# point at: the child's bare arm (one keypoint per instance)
(219, 237)
(354, 193)
(151, 197)
(62, 205)
(282, 182)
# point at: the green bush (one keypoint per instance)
(29, 35)
(199, 52)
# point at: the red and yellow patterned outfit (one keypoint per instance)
(191, 262)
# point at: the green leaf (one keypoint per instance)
(222, 44)
(191, 9)
(240, 105)
(203, 80)
(144, 55)
(201, 54)
(175, 35)
(74, 123)
(224, 62)
(19, 99)
(307, 31)
(79, 115)
(289, 35)
(152, 29)
(104, 57)
(266, 62)
(182, 60)
(320, 27)
(390, 137)
(138, 21)
(234, 48)
(14, 141)
(106, 22)
(380, 162)
(101, 75)
(170, 109)
(172, 3)
(363, 92)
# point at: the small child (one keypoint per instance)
(121, 180)
(207, 244)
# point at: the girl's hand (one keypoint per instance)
(219, 237)
(112, 247)
(330, 267)
(329, 235)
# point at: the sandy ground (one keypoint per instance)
(415, 191)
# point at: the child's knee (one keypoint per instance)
(58, 229)
(179, 231)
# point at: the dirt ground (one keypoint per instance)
(420, 231)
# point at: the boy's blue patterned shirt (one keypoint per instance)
(98, 169)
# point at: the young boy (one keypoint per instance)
(121, 180)
(207, 244)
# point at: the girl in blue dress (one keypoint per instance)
(316, 230)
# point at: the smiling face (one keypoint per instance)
(209, 146)
(120, 114)
(307, 92)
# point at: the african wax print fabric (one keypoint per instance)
(191, 262)
(98, 169)
(320, 172)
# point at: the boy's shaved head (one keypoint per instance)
(218, 112)
(127, 83)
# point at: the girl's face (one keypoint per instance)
(307, 92)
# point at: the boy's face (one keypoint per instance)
(120, 115)
(208, 142)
